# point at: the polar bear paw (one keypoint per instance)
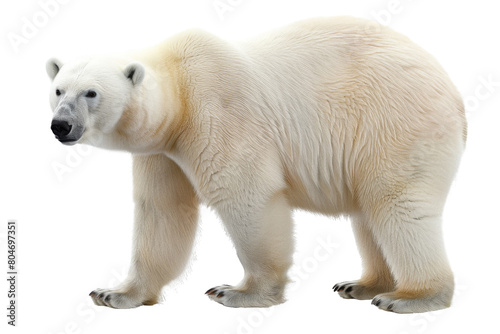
(117, 299)
(358, 290)
(401, 303)
(231, 296)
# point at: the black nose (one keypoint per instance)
(60, 128)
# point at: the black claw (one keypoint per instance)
(220, 294)
(349, 289)
(99, 296)
(92, 294)
(108, 297)
(210, 291)
(376, 302)
(335, 288)
(389, 308)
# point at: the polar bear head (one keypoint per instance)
(88, 97)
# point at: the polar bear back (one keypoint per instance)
(343, 103)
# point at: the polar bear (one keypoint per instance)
(339, 116)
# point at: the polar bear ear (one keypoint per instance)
(53, 67)
(135, 72)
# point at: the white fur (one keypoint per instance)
(331, 115)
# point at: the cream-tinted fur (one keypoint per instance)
(331, 115)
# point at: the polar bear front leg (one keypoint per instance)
(262, 235)
(166, 214)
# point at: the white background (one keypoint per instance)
(75, 228)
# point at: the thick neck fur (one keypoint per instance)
(151, 122)
(178, 109)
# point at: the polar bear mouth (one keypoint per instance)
(68, 141)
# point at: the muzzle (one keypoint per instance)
(66, 126)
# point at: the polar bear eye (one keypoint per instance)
(58, 92)
(91, 94)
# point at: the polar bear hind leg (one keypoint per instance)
(408, 230)
(404, 216)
